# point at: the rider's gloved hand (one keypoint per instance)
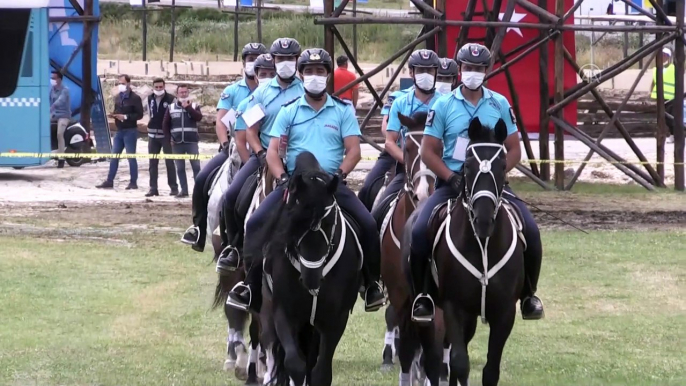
(341, 176)
(455, 181)
(225, 148)
(283, 180)
(262, 157)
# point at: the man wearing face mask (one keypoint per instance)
(156, 106)
(60, 110)
(234, 94)
(326, 127)
(128, 109)
(423, 66)
(181, 124)
(447, 76)
(443, 147)
(267, 100)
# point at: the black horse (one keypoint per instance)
(478, 254)
(312, 274)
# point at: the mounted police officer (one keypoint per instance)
(230, 98)
(268, 100)
(446, 80)
(325, 126)
(423, 66)
(448, 120)
(181, 124)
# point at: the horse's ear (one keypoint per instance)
(474, 129)
(405, 120)
(500, 131)
(332, 186)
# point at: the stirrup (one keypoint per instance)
(224, 255)
(197, 237)
(240, 306)
(373, 307)
(424, 319)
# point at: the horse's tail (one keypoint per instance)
(279, 373)
(221, 291)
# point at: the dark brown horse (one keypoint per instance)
(479, 255)
(246, 365)
(419, 184)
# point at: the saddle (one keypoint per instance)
(245, 196)
(380, 211)
(209, 182)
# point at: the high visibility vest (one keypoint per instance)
(668, 78)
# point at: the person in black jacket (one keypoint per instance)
(157, 104)
(128, 109)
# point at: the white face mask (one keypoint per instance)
(158, 92)
(314, 83)
(250, 68)
(53, 82)
(183, 100)
(472, 79)
(122, 88)
(444, 87)
(424, 81)
(262, 81)
(285, 70)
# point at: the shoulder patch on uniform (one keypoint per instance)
(290, 101)
(224, 96)
(430, 118)
(391, 98)
(512, 115)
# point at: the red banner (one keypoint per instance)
(525, 73)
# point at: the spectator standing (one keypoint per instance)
(341, 78)
(60, 110)
(157, 105)
(181, 124)
(128, 110)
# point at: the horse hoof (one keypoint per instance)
(229, 364)
(386, 367)
(241, 374)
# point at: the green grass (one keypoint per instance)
(78, 313)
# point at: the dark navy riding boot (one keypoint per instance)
(531, 305)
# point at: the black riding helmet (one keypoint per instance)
(474, 54)
(423, 58)
(265, 61)
(253, 49)
(448, 67)
(315, 56)
(285, 47)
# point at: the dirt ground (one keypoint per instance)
(45, 197)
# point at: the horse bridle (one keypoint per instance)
(484, 168)
(412, 179)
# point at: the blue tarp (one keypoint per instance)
(63, 40)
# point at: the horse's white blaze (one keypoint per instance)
(422, 189)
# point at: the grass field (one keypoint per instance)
(133, 308)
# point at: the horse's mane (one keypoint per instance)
(420, 118)
(293, 218)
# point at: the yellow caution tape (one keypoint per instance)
(210, 156)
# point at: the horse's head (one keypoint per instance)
(419, 179)
(312, 213)
(484, 174)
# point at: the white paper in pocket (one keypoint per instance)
(253, 115)
(460, 151)
(229, 119)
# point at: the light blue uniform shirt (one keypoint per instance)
(233, 94)
(272, 97)
(407, 104)
(451, 114)
(240, 123)
(319, 132)
(389, 101)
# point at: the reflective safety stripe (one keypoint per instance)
(186, 129)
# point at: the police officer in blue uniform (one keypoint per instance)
(423, 66)
(448, 120)
(230, 98)
(326, 127)
(265, 71)
(269, 99)
(447, 76)
(384, 163)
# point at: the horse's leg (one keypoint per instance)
(389, 339)
(254, 352)
(408, 345)
(500, 331)
(294, 363)
(431, 352)
(445, 367)
(459, 357)
(237, 349)
(322, 373)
